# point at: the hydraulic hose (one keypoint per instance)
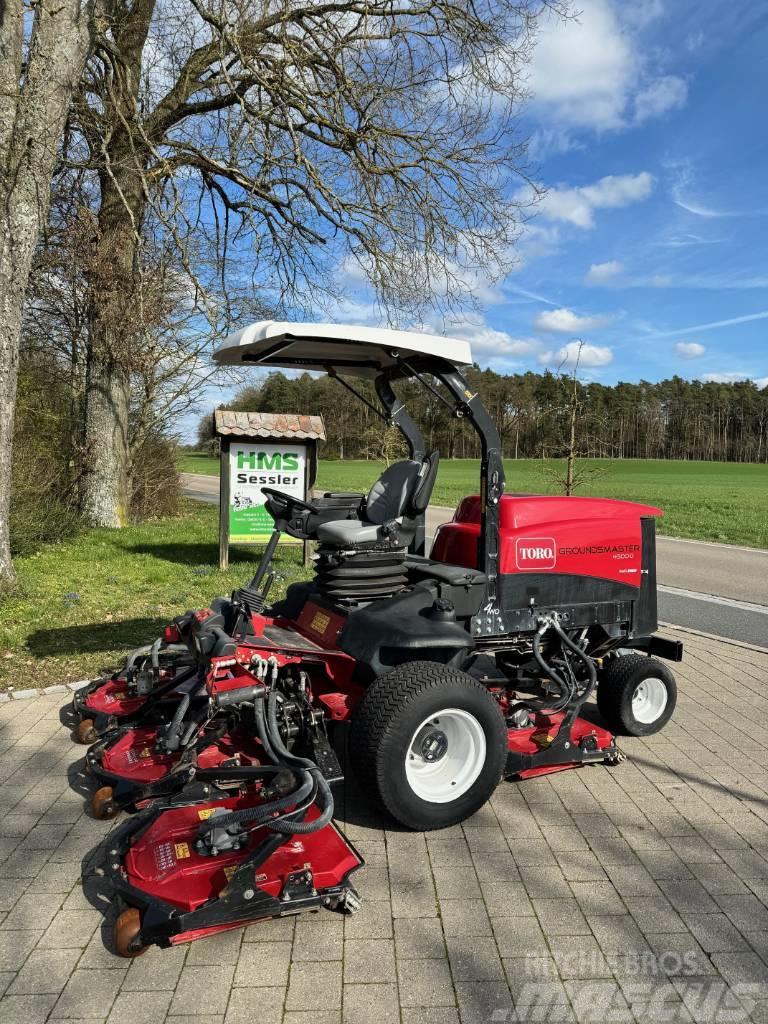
(172, 733)
(563, 686)
(262, 813)
(324, 797)
(261, 732)
(589, 662)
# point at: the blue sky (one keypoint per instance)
(647, 127)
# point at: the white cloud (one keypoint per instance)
(589, 71)
(565, 321)
(582, 68)
(576, 205)
(491, 342)
(660, 96)
(599, 273)
(734, 378)
(568, 355)
(689, 349)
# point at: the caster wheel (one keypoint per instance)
(86, 733)
(125, 934)
(102, 804)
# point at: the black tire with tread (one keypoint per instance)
(616, 684)
(384, 722)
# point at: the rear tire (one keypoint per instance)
(430, 742)
(636, 695)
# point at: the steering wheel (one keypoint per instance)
(287, 499)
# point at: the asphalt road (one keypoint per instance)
(715, 588)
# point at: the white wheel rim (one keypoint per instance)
(445, 756)
(649, 700)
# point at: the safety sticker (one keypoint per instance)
(206, 812)
(182, 850)
(229, 872)
(145, 753)
(320, 623)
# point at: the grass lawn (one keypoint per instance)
(81, 605)
(718, 501)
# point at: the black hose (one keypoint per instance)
(324, 797)
(175, 726)
(564, 687)
(260, 814)
(261, 732)
(589, 662)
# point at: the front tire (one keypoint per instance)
(430, 742)
(636, 695)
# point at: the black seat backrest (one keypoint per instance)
(425, 485)
(389, 496)
(404, 488)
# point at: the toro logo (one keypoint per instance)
(535, 553)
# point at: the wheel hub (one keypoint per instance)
(445, 756)
(649, 700)
(434, 746)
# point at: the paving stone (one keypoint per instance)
(372, 921)
(319, 939)
(140, 1008)
(311, 1017)
(679, 954)
(484, 1001)
(45, 971)
(314, 986)
(203, 990)
(425, 983)
(428, 1015)
(262, 963)
(369, 960)
(419, 938)
(216, 950)
(71, 929)
(89, 994)
(594, 1001)
(25, 1009)
(561, 917)
(597, 898)
(15, 947)
(247, 1005)
(654, 914)
(518, 936)
(715, 933)
(371, 1004)
(474, 958)
(746, 912)
(155, 970)
(465, 917)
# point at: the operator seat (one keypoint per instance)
(389, 515)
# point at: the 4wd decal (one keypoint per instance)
(535, 553)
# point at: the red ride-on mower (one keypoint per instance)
(451, 671)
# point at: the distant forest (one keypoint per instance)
(673, 419)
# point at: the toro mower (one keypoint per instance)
(450, 671)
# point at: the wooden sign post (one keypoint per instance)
(262, 450)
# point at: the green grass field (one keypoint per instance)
(81, 605)
(716, 501)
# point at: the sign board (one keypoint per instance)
(260, 449)
(253, 465)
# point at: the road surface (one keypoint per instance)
(715, 588)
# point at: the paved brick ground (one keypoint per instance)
(634, 893)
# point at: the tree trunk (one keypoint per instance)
(116, 322)
(106, 497)
(34, 101)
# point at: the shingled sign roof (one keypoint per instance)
(268, 424)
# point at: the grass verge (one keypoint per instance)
(79, 606)
(716, 501)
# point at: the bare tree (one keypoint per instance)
(295, 135)
(43, 47)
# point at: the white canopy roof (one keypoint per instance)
(348, 349)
